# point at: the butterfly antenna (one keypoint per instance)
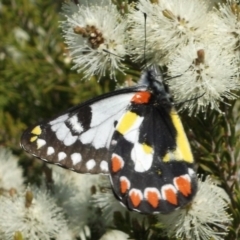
(105, 50)
(145, 39)
(169, 78)
(188, 100)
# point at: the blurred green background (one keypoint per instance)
(36, 80)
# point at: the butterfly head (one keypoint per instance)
(152, 77)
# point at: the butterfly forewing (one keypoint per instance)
(79, 139)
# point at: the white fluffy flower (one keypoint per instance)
(206, 74)
(226, 28)
(69, 8)
(170, 24)
(95, 38)
(33, 213)
(74, 192)
(226, 24)
(11, 175)
(114, 234)
(204, 218)
(65, 234)
(107, 202)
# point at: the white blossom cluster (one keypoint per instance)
(69, 210)
(197, 40)
(63, 212)
(205, 218)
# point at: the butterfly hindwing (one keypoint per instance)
(151, 165)
(79, 138)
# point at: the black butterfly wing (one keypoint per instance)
(151, 164)
(79, 139)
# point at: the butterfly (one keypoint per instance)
(134, 134)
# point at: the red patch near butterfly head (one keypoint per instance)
(141, 97)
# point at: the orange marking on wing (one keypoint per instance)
(171, 196)
(117, 163)
(141, 97)
(152, 198)
(184, 186)
(135, 198)
(123, 186)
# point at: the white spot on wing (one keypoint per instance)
(113, 142)
(59, 119)
(50, 150)
(191, 172)
(104, 165)
(90, 164)
(40, 143)
(76, 125)
(61, 156)
(62, 132)
(142, 160)
(87, 137)
(76, 158)
(132, 136)
(70, 139)
(56, 126)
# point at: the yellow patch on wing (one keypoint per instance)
(32, 139)
(173, 155)
(37, 130)
(183, 150)
(147, 149)
(127, 122)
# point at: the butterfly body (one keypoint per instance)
(134, 134)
